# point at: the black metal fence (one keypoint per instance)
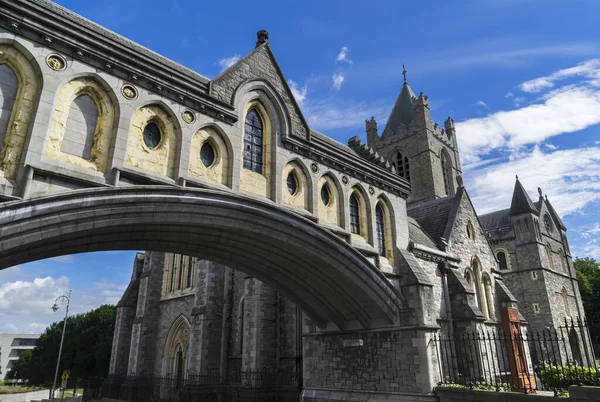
(264, 385)
(522, 361)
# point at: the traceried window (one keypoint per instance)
(354, 215)
(548, 223)
(502, 261)
(253, 141)
(402, 165)
(379, 219)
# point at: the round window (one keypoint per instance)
(325, 196)
(207, 154)
(152, 135)
(292, 183)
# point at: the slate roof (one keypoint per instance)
(496, 219)
(521, 202)
(402, 112)
(417, 234)
(433, 215)
(555, 215)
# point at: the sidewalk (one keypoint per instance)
(26, 397)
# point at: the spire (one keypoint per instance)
(521, 203)
(402, 112)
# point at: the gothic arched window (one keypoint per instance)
(253, 141)
(379, 220)
(502, 261)
(548, 223)
(487, 287)
(565, 297)
(447, 172)
(550, 256)
(563, 260)
(354, 215)
(402, 166)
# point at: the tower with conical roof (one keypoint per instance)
(419, 150)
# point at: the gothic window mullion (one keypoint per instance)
(354, 215)
(380, 230)
(253, 142)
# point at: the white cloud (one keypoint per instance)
(589, 69)
(228, 62)
(66, 259)
(589, 241)
(570, 178)
(338, 79)
(482, 104)
(519, 100)
(564, 111)
(342, 56)
(509, 95)
(22, 298)
(299, 93)
(334, 113)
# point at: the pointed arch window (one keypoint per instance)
(354, 215)
(563, 260)
(80, 128)
(253, 141)
(402, 165)
(447, 172)
(487, 287)
(565, 297)
(380, 223)
(550, 256)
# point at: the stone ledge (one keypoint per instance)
(326, 395)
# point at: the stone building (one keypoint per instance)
(271, 247)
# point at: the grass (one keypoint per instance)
(69, 392)
(18, 389)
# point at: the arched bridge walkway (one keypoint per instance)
(334, 284)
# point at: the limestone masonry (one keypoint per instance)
(270, 246)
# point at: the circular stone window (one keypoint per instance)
(152, 135)
(207, 154)
(292, 183)
(325, 196)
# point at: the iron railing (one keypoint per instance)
(526, 361)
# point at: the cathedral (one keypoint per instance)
(275, 256)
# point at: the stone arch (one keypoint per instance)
(332, 212)
(176, 349)
(258, 93)
(12, 140)
(468, 274)
(565, 299)
(62, 140)
(163, 159)
(388, 227)
(364, 212)
(503, 258)
(331, 281)
(220, 170)
(303, 195)
(447, 166)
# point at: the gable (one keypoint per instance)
(260, 64)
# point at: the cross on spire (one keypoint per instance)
(404, 72)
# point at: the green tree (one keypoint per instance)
(86, 350)
(588, 275)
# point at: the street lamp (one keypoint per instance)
(64, 300)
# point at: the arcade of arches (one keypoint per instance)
(268, 245)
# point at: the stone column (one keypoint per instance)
(260, 337)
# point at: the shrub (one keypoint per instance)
(556, 376)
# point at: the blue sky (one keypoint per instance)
(521, 78)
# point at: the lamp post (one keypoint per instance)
(67, 300)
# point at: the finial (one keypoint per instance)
(404, 72)
(262, 36)
(540, 191)
(517, 176)
(459, 180)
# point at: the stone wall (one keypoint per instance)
(576, 394)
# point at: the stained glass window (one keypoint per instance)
(152, 135)
(325, 196)
(207, 154)
(292, 183)
(253, 141)
(354, 215)
(380, 229)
